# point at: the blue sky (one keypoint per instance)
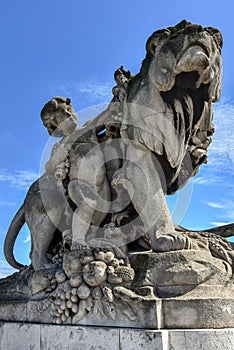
(72, 48)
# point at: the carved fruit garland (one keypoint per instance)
(91, 282)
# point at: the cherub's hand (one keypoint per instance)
(59, 154)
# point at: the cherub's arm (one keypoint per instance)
(58, 155)
(98, 122)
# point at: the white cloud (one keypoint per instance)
(220, 223)
(93, 91)
(63, 90)
(5, 269)
(209, 180)
(27, 239)
(20, 179)
(96, 91)
(200, 180)
(215, 205)
(225, 214)
(221, 151)
(229, 210)
(220, 166)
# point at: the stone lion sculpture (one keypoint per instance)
(167, 124)
(163, 119)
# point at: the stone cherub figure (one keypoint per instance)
(79, 158)
(70, 176)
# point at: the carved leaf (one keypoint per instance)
(84, 307)
(98, 308)
(109, 309)
(125, 309)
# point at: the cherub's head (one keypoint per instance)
(59, 117)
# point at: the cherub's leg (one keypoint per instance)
(89, 210)
(84, 196)
(81, 222)
(145, 177)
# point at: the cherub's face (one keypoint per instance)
(60, 123)
(66, 123)
(59, 117)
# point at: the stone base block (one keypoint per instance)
(43, 337)
(198, 313)
(169, 313)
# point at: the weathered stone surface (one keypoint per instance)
(37, 311)
(201, 340)
(20, 336)
(72, 338)
(15, 287)
(143, 315)
(13, 311)
(40, 281)
(177, 273)
(144, 339)
(170, 313)
(43, 337)
(199, 313)
(183, 289)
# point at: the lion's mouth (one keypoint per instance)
(195, 58)
(190, 98)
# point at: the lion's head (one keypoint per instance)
(179, 80)
(59, 117)
(186, 48)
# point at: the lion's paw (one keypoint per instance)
(171, 242)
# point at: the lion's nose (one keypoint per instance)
(192, 28)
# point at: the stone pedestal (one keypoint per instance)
(19, 336)
(175, 290)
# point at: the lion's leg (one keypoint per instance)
(149, 201)
(42, 232)
(38, 254)
(43, 212)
